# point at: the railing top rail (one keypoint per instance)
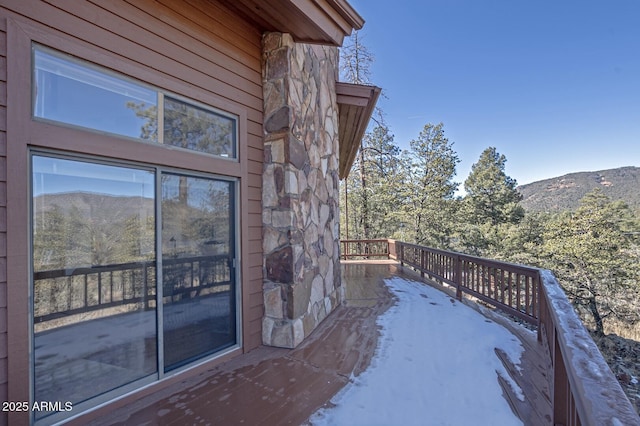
(598, 396)
(365, 241)
(481, 260)
(96, 269)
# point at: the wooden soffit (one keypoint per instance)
(308, 21)
(356, 103)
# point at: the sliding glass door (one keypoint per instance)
(133, 274)
(198, 282)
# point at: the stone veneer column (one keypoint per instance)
(300, 190)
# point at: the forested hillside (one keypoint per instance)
(565, 192)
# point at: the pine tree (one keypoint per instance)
(492, 196)
(355, 60)
(590, 253)
(371, 203)
(429, 190)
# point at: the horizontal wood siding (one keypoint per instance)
(196, 48)
(3, 219)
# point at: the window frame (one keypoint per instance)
(161, 95)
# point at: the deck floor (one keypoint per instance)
(271, 386)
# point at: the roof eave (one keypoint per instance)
(356, 103)
(310, 21)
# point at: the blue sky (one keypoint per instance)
(552, 84)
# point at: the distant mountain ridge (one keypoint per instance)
(564, 192)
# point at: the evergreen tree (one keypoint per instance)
(355, 60)
(490, 203)
(591, 254)
(369, 198)
(429, 190)
(384, 170)
(491, 194)
(371, 203)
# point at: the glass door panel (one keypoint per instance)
(94, 284)
(198, 251)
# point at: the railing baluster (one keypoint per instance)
(518, 285)
(99, 288)
(528, 294)
(510, 284)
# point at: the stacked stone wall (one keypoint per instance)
(300, 189)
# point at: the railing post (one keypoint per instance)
(458, 277)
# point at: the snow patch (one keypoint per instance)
(435, 364)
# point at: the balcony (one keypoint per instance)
(564, 379)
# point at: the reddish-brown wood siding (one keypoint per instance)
(196, 48)
(3, 218)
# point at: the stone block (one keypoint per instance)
(267, 330)
(273, 305)
(282, 218)
(327, 305)
(273, 92)
(329, 280)
(298, 296)
(285, 202)
(270, 239)
(279, 121)
(279, 265)
(287, 41)
(282, 334)
(317, 290)
(302, 182)
(277, 151)
(278, 64)
(271, 41)
(310, 235)
(321, 190)
(297, 153)
(323, 167)
(323, 265)
(298, 332)
(269, 193)
(328, 243)
(324, 216)
(278, 178)
(291, 182)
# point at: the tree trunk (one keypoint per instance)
(593, 308)
(365, 197)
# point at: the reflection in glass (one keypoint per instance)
(198, 129)
(198, 271)
(93, 278)
(71, 92)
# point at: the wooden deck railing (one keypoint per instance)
(75, 291)
(585, 391)
(364, 249)
(509, 287)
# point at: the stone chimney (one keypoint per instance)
(300, 190)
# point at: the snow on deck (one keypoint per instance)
(435, 364)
